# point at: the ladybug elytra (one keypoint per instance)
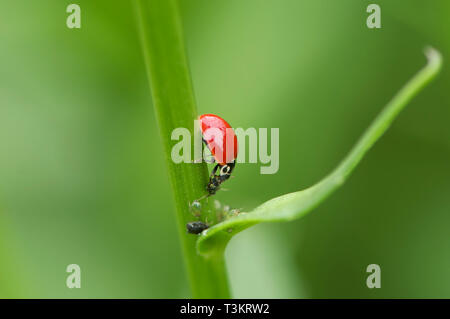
(220, 139)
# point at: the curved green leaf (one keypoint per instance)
(295, 205)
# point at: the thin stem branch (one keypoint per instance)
(295, 205)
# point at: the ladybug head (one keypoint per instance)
(215, 180)
(225, 171)
(214, 184)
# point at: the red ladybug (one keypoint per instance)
(219, 137)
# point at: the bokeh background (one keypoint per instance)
(82, 177)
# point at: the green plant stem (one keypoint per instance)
(12, 281)
(173, 100)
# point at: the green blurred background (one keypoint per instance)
(82, 177)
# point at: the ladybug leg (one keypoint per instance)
(203, 197)
(209, 160)
(214, 181)
(214, 170)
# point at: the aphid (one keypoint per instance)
(235, 212)
(195, 208)
(217, 205)
(196, 227)
(219, 137)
